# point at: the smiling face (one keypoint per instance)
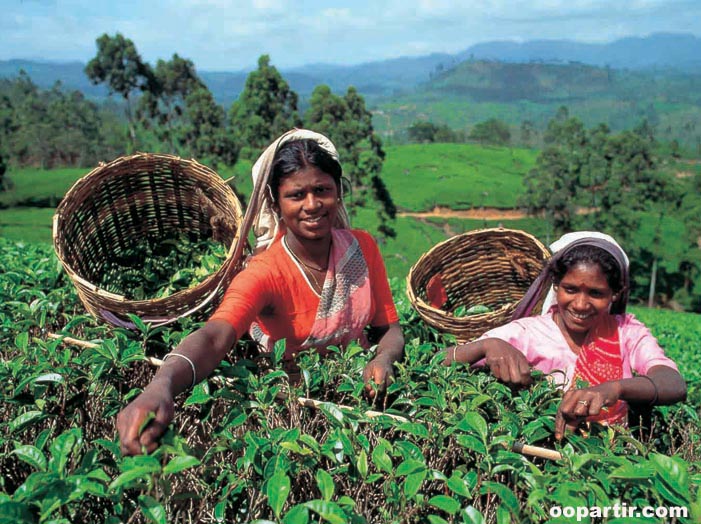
(308, 203)
(583, 297)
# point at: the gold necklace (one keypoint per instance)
(310, 269)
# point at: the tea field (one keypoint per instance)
(243, 449)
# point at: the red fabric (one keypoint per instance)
(435, 292)
(600, 361)
(273, 292)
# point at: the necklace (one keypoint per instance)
(310, 269)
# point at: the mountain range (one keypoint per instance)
(659, 51)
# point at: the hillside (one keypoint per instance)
(670, 52)
(476, 90)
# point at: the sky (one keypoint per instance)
(230, 35)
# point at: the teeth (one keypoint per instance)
(580, 317)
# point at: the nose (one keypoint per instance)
(311, 202)
(580, 302)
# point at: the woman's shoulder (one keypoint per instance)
(365, 239)
(628, 319)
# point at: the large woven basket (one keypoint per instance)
(132, 197)
(489, 267)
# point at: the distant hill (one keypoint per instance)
(400, 75)
(475, 90)
(659, 50)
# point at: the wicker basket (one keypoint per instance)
(490, 267)
(142, 195)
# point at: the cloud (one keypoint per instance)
(231, 34)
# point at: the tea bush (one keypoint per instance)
(243, 449)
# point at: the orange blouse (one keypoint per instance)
(275, 293)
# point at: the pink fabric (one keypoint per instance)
(344, 305)
(545, 348)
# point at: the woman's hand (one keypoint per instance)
(136, 434)
(577, 404)
(507, 364)
(377, 375)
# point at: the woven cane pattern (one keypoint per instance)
(132, 197)
(490, 267)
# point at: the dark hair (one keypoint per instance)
(589, 255)
(299, 154)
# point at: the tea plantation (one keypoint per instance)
(243, 449)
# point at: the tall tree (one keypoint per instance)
(204, 132)
(596, 180)
(266, 108)
(348, 123)
(162, 106)
(119, 64)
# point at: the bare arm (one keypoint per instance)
(662, 385)
(390, 349)
(206, 347)
(505, 362)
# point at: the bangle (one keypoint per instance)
(192, 365)
(656, 396)
(455, 351)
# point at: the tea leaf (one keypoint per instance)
(152, 509)
(325, 483)
(178, 464)
(278, 488)
(445, 503)
(329, 511)
(32, 456)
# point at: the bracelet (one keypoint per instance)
(455, 351)
(192, 365)
(656, 397)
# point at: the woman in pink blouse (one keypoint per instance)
(600, 355)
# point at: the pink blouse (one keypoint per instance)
(546, 349)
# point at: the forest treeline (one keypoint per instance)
(168, 108)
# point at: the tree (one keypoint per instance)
(491, 131)
(266, 108)
(426, 132)
(204, 133)
(596, 180)
(162, 107)
(347, 122)
(552, 186)
(119, 65)
(3, 169)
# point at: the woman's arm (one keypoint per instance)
(379, 372)
(661, 385)
(205, 348)
(505, 362)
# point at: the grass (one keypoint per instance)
(28, 224)
(460, 176)
(43, 187)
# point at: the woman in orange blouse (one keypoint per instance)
(314, 283)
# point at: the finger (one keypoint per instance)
(525, 371)
(515, 373)
(596, 404)
(128, 424)
(153, 431)
(559, 424)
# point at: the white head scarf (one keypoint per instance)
(564, 241)
(267, 223)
